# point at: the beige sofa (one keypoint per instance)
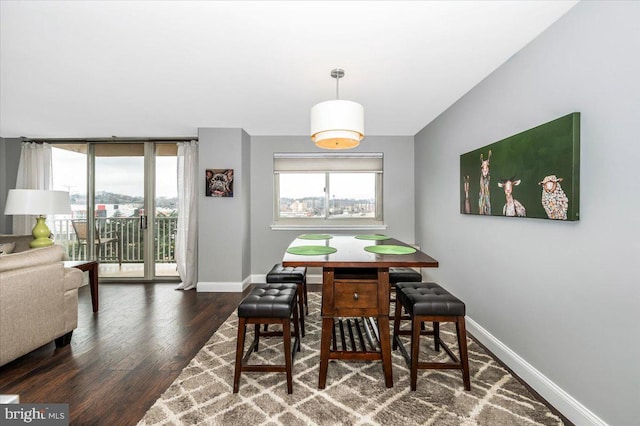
(38, 298)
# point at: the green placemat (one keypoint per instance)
(390, 249)
(315, 237)
(376, 237)
(311, 250)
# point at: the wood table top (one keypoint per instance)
(351, 253)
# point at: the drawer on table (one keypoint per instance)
(356, 295)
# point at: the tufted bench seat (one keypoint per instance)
(297, 275)
(430, 302)
(400, 275)
(268, 304)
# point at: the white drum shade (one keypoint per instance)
(37, 202)
(337, 124)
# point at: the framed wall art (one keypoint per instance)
(534, 174)
(219, 183)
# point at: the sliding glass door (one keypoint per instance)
(165, 210)
(125, 203)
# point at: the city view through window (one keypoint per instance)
(333, 195)
(119, 185)
(119, 205)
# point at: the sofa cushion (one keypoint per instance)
(7, 248)
(21, 241)
(31, 258)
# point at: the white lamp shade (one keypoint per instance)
(37, 202)
(337, 124)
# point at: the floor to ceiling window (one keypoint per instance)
(124, 197)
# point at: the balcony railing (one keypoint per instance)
(131, 243)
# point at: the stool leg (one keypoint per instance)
(396, 324)
(239, 351)
(300, 292)
(296, 325)
(415, 350)
(286, 335)
(464, 358)
(306, 297)
(436, 336)
(256, 332)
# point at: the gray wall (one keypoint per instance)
(9, 157)
(564, 297)
(223, 225)
(245, 183)
(268, 246)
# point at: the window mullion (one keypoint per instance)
(326, 196)
(276, 190)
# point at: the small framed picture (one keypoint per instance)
(219, 183)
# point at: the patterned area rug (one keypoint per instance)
(355, 392)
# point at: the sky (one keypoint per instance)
(120, 175)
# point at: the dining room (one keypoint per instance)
(551, 305)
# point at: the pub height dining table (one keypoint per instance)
(355, 292)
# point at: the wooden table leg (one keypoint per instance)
(385, 349)
(383, 325)
(325, 343)
(93, 284)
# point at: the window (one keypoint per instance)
(328, 190)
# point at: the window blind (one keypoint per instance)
(321, 162)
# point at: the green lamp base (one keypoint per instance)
(41, 234)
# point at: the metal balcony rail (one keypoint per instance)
(130, 242)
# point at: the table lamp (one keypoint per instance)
(39, 202)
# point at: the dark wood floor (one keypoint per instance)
(122, 358)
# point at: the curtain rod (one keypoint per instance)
(112, 139)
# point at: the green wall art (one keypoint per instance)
(534, 174)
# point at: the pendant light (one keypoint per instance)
(337, 124)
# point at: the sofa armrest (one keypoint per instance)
(73, 278)
(32, 308)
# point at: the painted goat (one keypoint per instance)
(512, 207)
(467, 202)
(484, 202)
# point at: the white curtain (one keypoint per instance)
(34, 172)
(187, 232)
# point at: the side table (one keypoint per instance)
(92, 267)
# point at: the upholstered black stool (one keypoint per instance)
(268, 304)
(430, 302)
(400, 275)
(281, 274)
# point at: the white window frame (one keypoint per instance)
(328, 163)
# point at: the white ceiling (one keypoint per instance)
(163, 69)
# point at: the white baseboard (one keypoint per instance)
(556, 396)
(239, 287)
(314, 278)
(224, 287)
(258, 278)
